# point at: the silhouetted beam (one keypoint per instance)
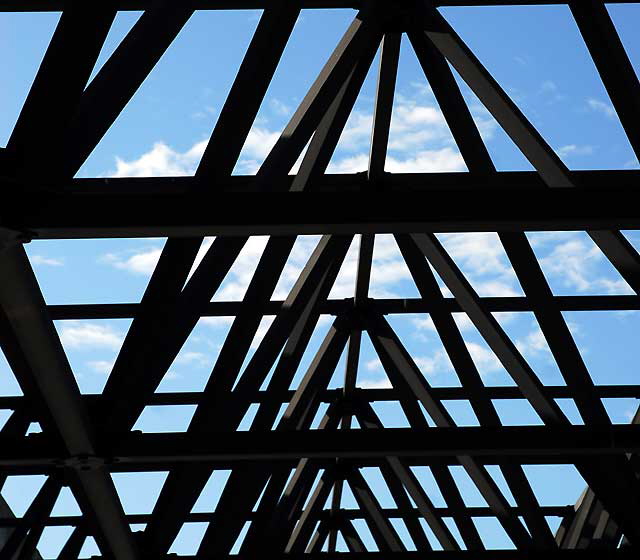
(508, 441)
(338, 306)
(387, 74)
(78, 216)
(8, 522)
(440, 555)
(29, 340)
(228, 464)
(368, 395)
(56, 91)
(613, 64)
(210, 517)
(339, 182)
(120, 77)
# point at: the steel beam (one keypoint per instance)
(555, 443)
(413, 555)
(34, 148)
(29, 338)
(346, 514)
(336, 307)
(613, 64)
(307, 213)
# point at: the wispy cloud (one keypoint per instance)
(419, 140)
(142, 263)
(373, 365)
(486, 361)
(601, 107)
(39, 260)
(428, 161)
(161, 161)
(279, 107)
(85, 336)
(379, 383)
(193, 358)
(164, 161)
(101, 366)
(577, 262)
(574, 150)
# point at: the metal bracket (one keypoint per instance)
(83, 462)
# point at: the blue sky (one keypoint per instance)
(536, 54)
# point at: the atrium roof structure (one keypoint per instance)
(289, 471)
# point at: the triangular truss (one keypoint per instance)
(287, 480)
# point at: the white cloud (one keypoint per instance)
(380, 383)
(197, 358)
(438, 362)
(462, 321)
(352, 164)
(424, 323)
(575, 150)
(601, 107)
(84, 335)
(241, 273)
(39, 260)
(426, 161)
(101, 366)
(419, 140)
(279, 107)
(265, 323)
(259, 142)
(171, 376)
(533, 344)
(208, 113)
(576, 262)
(482, 259)
(550, 91)
(263, 327)
(217, 321)
(422, 88)
(142, 263)
(164, 161)
(486, 123)
(357, 132)
(548, 86)
(161, 161)
(373, 365)
(486, 361)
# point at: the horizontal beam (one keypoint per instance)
(377, 462)
(73, 215)
(334, 182)
(210, 517)
(508, 442)
(336, 307)
(367, 395)
(412, 555)
(57, 5)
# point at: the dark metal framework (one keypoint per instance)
(286, 478)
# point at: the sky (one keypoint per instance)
(538, 57)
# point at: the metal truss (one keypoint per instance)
(288, 478)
